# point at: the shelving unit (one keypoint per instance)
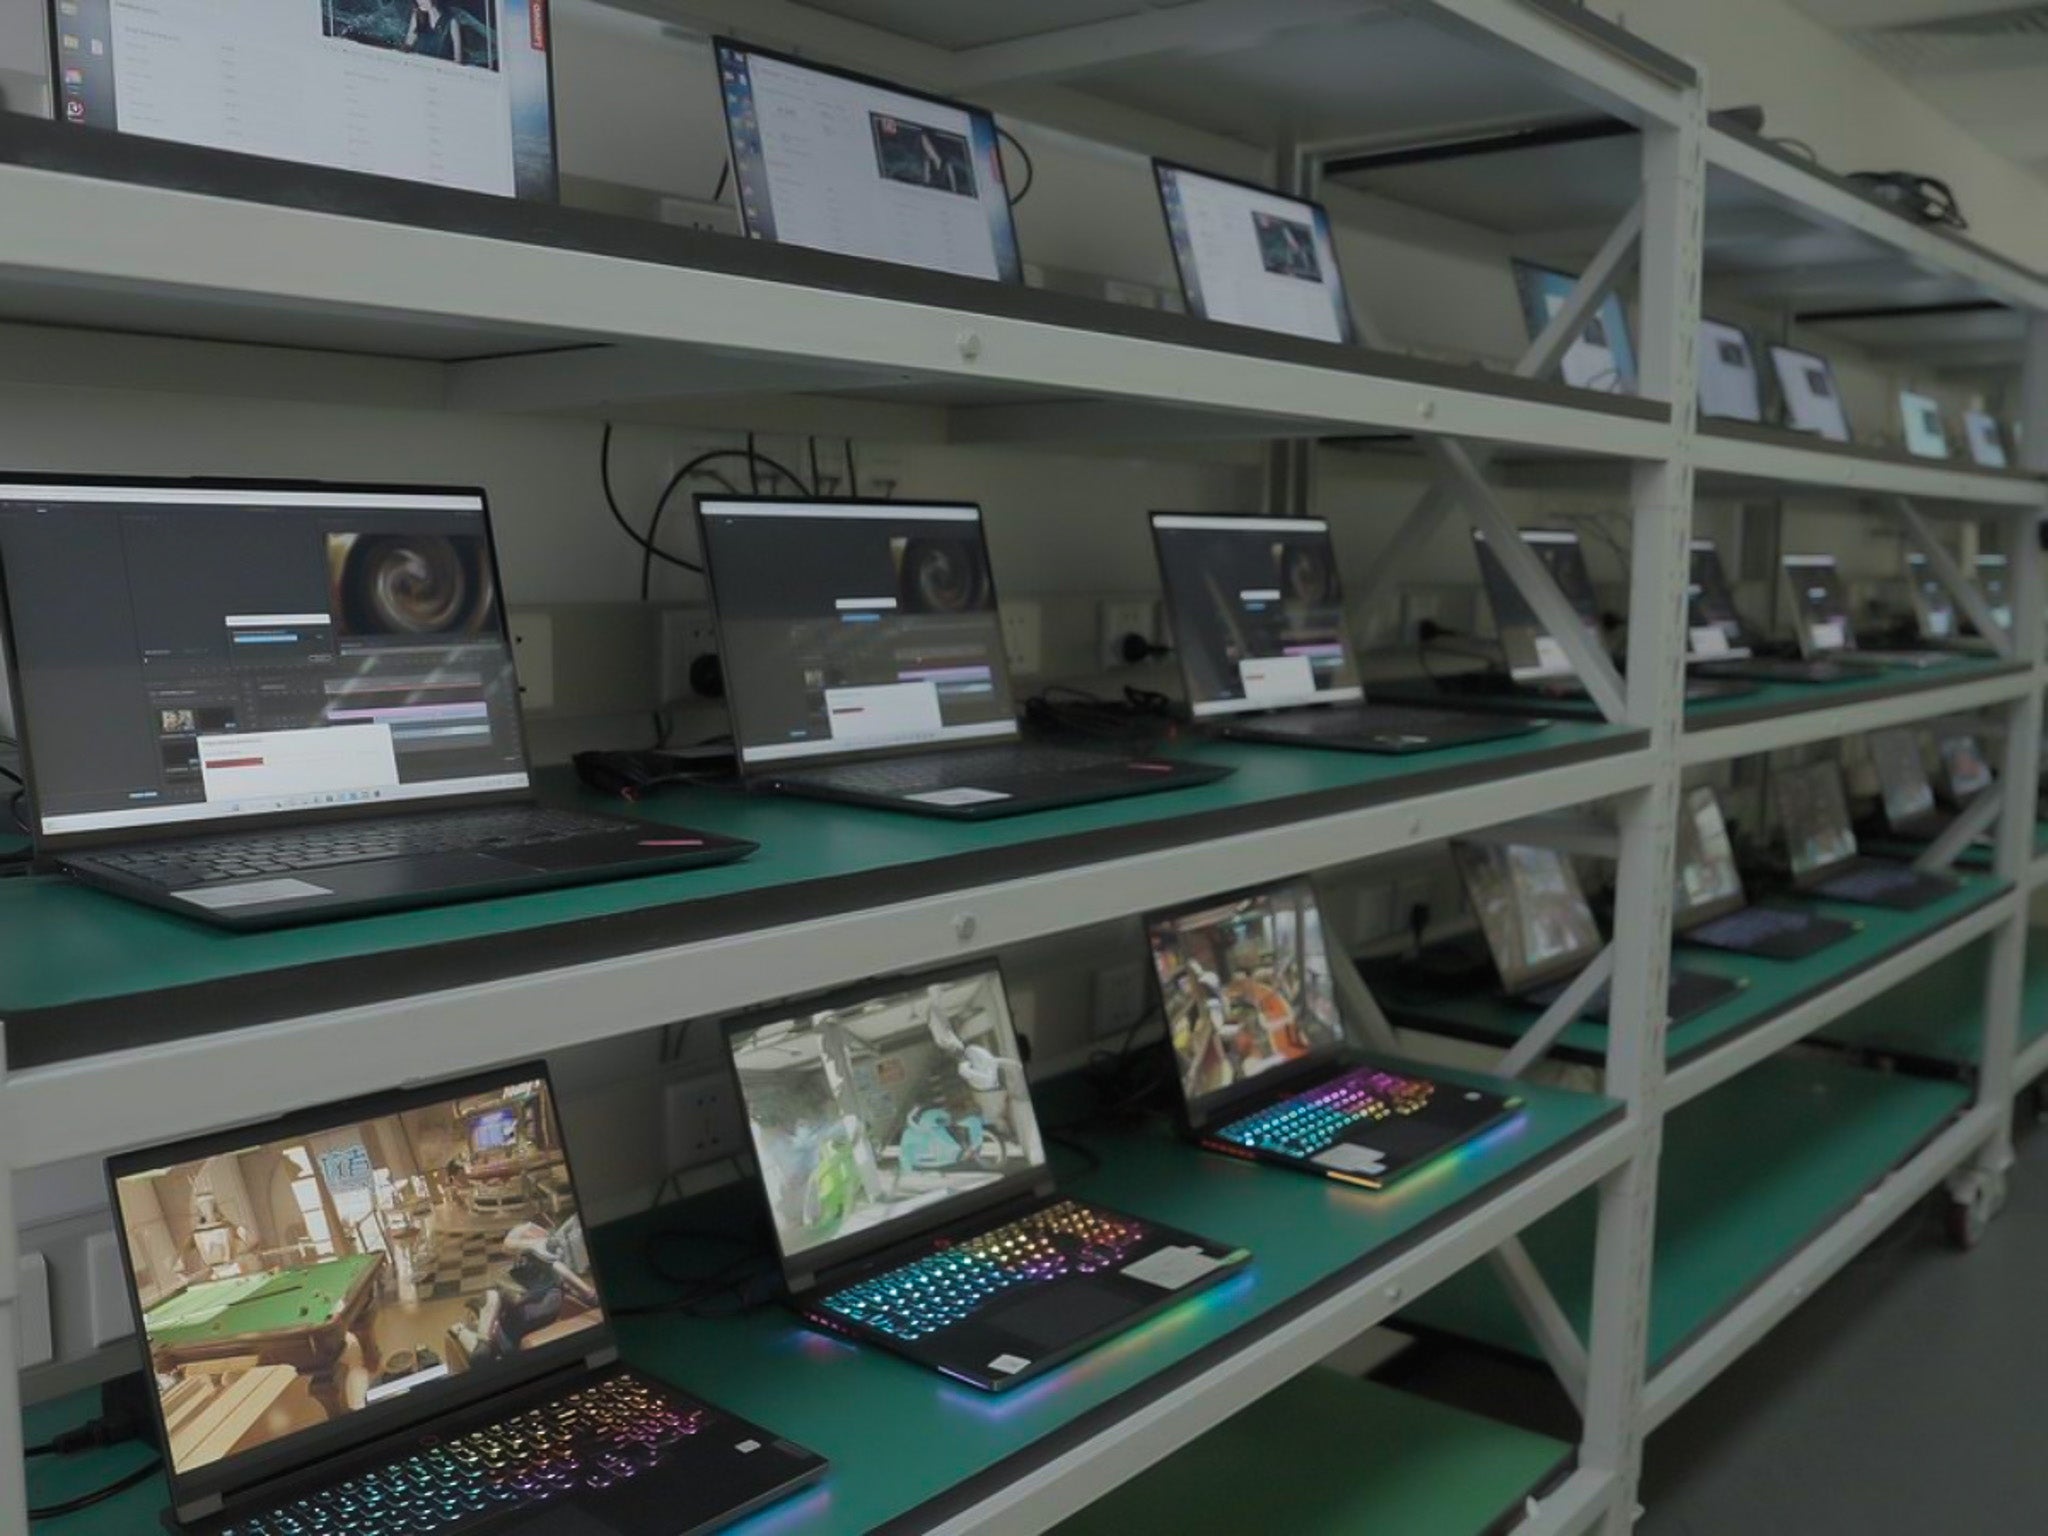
(155, 268)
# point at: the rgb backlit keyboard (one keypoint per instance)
(1318, 1119)
(957, 1281)
(590, 1439)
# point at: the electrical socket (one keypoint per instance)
(1138, 616)
(1122, 992)
(1024, 637)
(685, 633)
(701, 1121)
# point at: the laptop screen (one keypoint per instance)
(1602, 358)
(454, 94)
(1709, 883)
(1248, 256)
(1257, 612)
(1531, 910)
(852, 627)
(191, 654)
(1813, 401)
(320, 1277)
(1965, 766)
(1901, 776)
(1533, 653)
(1987, 443)
(1933, 608)
(877, 1114)
(1247, 992)
(1820, 603)
(839, 162)
(1729, 388)
(1991, 581)
(1815, 814)
(1713, 625)
(1926, 433)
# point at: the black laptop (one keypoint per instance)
(1710, 909)
(864, 662)
(1719, 644)
(264, 703)
(1821, 847)
(910, 1193)
(1258, 624)
(1260, 1052)
(1819, 604)
(1911, 808)
(383, 1315)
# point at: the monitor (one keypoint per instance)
(365, 1265)
(1934, 610)
(189, 654)
(1820, 604)
(1257, 613)
(1926, 432)
(1714, 629)
(1987, 441)
(1709, 883)
(1964, 766)
(456, 93)
(1249, 256)
(839, 162)
(1901, 777)
(1532, 652)
(1602, 357)
(1729, 387)
(1815, 815)
(1247, 992)
(1531, 910)
(885, 1110)
(1992, 572)
(1813, 400)
(852, 627)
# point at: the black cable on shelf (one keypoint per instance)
(611, 501)
(121, 1484)
(755, 460)
(1030, 167)
(852, 474)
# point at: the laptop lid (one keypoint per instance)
(188, 655)
(1257, 612)
(1248, 996)
(1901, 776)
(1709, 882)
(1813, 400)
(1603, 358)
(1714, 630)
(1729, 387)
(843, 162)
(851, 628)
(1820, 605)
(1926, 432)
(1934, 610)
(1531, 911)
(884, 1111)
(1814, 812)
(1986, 440)
(1532, 652)
(1964, 766)
(1992, 572)
(387, 1217)
(1247, 255)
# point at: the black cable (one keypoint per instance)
(724, 175)
(46, 1449)
(1092, 1163)
(753, 466)
(120, 1484)
(817, 479)
(852, 474)
(611, 501)
(1030, 167)
(647, 550)
(696, 466)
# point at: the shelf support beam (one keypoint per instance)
(1942, 566)
(1560, 1015)
(1975, 819)
(1563, 1350)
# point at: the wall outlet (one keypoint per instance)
(1024, 637)
(1122, 992)
(1139, 616)
(686, 633)
(533, 652)
(701, 1121)
(107, 1290)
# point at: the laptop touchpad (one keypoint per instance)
(1062, 1313)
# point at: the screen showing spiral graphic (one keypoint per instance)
(193, 654)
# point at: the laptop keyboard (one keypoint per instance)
(588, 1440)
(246, 855)
(910, 775)
(951, 1285)
(1871, 880)
(1319, 1119)
(1752, 925)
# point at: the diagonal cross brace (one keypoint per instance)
(1562, 1347)
(1570, 1003)
(1968, 595)
(1974, 820)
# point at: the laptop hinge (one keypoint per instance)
(1044, 1189)
(201, 1509)
(798, 1283)
(597, 1359)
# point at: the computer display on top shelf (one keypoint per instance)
(1602, 358)
(1250, 256)
(451, 93)
(1729, 387)
(1986, 439)
(1813, 399)
(1926, 432)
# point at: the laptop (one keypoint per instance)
(1718, 641)
(1250, 256)
(1819, 605)
(1813, 400)
(261, 703)
(1986, 439)
(864, 662)
(1261, 1056)
(909, 1191)
(1602, 357)
(1540, 932)
(1729, 387)
(1710, 909)
(1965, 771)
(837, 161)
(1912, 808)
(1821, 846)
(384, 1314)
(1926, 431)
(1258, 623)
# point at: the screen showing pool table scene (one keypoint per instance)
(293, 1282)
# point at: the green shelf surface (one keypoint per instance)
(907, 1445)
(1427, 1470)
(1937, 1017)
(1772, 700)
(1768, 987)
(1751, 1173)
(1976, 856)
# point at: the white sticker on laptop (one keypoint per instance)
(1172, 1268)
(1830, 635)
(252, 893)
(1347, 1158)
(1551, 655)
(1277, 677)
(951, 798)
(1709, 640)
(1008, 1365)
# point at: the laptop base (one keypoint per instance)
(986, 788)
(1760, 931)
(1882, 883)
(1688, 994)
(1768, 669)
(1392, 730)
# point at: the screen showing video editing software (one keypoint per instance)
(1532, 652)
(1713, 625)
(1964, 766)
(1815, 814)
(1257, 612)
(1813, 400)
(1709, 883)
(852, 627)
(1820, 602)
(1248, 256)
(1602, 358)
(190, 654)
(1531, 910)
(837, 163)
(885, 1108)
(1901, 776)
(1729, 387)
(1247, 988)
(325, 1274)
(451, 93)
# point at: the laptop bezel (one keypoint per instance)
(1895, 757)
(1708, 324)
(1685, 922)
(1531, 976)
(53, 845)
(1531, 537)
(1779, 350)
(1739, 648)
(223, 1484)
(1821, 873)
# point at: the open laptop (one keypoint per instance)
(1261, 1056)
(1258, 624)
(1936, 618)
(1719, 643)
(864, 662)
(1602, 357)
(1986, 439)
(384, 1315)
(1710, 908)
(261, 703)
(1821, 847)
(1730, 389)
(1926, 431)
(1965, 770)
(1250, 256)
(1541, 933)
(1813, 398)
(909, 1191)
(841, 162)
(1819, 605)
(1912, 808)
